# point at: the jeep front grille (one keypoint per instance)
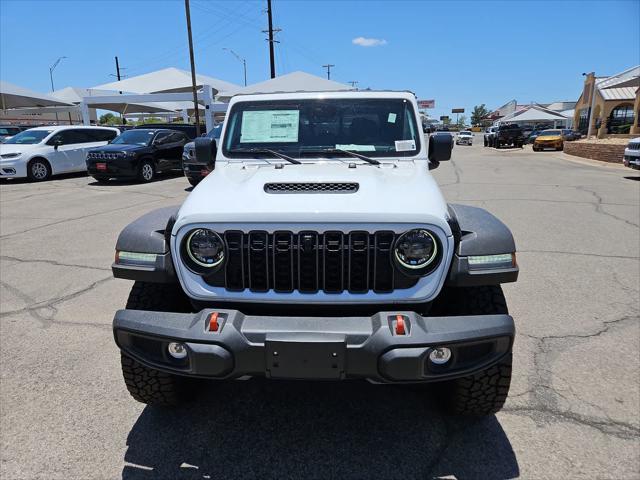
(311, 187)
(309, 261)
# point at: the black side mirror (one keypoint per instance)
(206, 151)
(56, 143)
(440, 147)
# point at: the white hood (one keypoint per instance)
(16, 148)
(394, 192)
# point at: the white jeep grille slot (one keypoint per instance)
(312, 187)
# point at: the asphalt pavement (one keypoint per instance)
(574, 408)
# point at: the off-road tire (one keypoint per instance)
(484, 392)
(148, 385)
(486, 144)
(153, 387)
(193, 181)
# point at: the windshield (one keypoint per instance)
(375, 127)
(135, 137)
(548, 133)
(28, 137)
(465, 133)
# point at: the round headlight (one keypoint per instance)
(416, 250)
(205, 248)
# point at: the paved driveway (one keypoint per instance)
(573, 411)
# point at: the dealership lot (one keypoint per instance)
(574, 403)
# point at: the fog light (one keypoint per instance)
(177, 350)
(440, 355)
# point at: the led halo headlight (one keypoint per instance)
(416, 251)
(205, 248)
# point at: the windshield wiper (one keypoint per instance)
(372, 161)
(265, 150)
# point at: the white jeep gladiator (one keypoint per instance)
(319, 247)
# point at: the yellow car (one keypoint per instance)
(548, 139)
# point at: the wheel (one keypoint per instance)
(148, 385)
(485, 142)
(194, 181)
(38, 170)
(484, 392)
(535, 149)
(497, 144)
(147, 171)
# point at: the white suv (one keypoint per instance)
(40, 152)
(632, 154)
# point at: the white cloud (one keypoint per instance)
(368, 42)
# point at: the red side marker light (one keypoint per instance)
(400, 326)
(213, 322)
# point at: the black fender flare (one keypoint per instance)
(149, 234)
(478, 233)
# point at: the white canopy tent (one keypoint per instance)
(168, 80)
(13, 96)
(533, 114)
(291, 82)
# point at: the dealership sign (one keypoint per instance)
(426, 104)
(457, 110)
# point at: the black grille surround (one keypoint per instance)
(311, 187)
(309, 262)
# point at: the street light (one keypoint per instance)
(51, 69)
(244, 62)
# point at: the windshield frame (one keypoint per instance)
(308, 152)
(11, 141)
(149, 132)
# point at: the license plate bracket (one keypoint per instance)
(304, 356)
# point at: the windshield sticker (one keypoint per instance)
(391, 118)
(356, 148)
(405, 145)
(269, 126)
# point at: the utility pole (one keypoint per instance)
(328, 67)
(193, 68)
(353, 83)
(51, 69)
(271, 41)
(117, 69)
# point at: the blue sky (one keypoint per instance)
(461, 53)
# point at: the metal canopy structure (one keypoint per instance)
(13, 96)
(154, 102)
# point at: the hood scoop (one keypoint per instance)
(312, 187)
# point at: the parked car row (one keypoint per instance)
(104, 152)
(503, 136)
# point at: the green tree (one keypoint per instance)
(108, 119)
(462, 119)
(479, 112)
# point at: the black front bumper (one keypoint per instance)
(314, 347)
(117, 168)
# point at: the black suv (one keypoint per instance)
(195, 170)
(189, 130)
(137, 154)
(508, 135)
